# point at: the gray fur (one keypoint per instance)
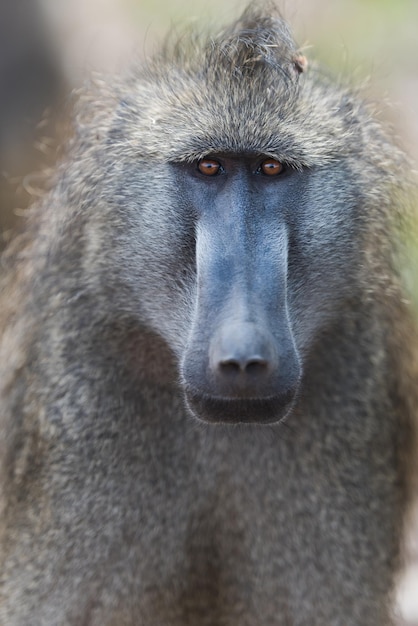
(119, 507)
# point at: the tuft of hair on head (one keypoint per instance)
(260, 37)
(258, 40)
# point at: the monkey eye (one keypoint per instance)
(271, 167)
(209, 167)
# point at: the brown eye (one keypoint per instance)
(209, 167)
(271, 167)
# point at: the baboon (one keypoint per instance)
(207, 361)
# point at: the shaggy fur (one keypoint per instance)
(120, 508)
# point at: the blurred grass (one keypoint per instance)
(410, 266)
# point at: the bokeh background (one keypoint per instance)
(49, 47)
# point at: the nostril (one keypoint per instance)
(256, 366)
(252, 367)
(230, 366)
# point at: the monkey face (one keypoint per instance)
(239, 272)
(238, 261)
(236, 221)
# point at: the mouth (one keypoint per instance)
(224, 410)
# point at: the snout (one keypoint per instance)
(241, 364)
(246, 376)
